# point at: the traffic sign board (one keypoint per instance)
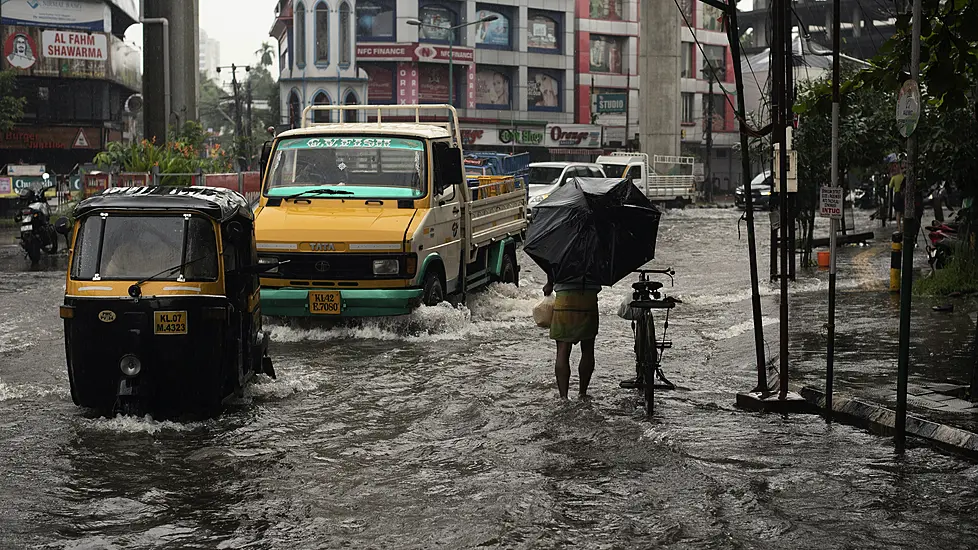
(830, 203)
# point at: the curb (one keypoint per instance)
(880, 420)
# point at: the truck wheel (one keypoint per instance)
(509, 275)
(434, 291)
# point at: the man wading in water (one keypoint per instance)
(575, 320)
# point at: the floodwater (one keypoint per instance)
(442, 430)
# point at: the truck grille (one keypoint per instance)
(336, 267)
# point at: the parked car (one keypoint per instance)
(546, 177)
(762, 187)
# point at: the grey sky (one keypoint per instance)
(239, 25)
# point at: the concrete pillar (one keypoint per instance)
(182, 16)
(658, 69)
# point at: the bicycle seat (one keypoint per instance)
(649, 286)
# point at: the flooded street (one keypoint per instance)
(442, 430)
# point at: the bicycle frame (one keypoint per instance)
(648, 349)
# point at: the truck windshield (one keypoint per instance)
(377, 167)
(613, 170)
(540, 175)
(136, 247)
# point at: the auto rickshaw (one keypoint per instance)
(161, 306)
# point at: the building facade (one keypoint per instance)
(209, 54)
(75, 72)
(317, 58)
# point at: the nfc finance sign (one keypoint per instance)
(612, 103)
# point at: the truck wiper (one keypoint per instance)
(318, 192)
(135, 291)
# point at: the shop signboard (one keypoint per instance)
(612, 103)
(62, 14)
(52, 137)
(415, 52)
(586, 136)
(33, 51)
(518, 136)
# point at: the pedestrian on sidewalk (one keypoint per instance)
(575, 321)
(895, 163)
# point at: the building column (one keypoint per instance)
(659, 67)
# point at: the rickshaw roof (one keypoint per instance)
(214, 202)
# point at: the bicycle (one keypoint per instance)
(646, 296)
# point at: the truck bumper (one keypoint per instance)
(294, 302)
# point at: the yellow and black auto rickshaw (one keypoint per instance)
(161, 304)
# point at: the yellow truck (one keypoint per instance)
(366, 219)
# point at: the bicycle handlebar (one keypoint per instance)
(666, 271)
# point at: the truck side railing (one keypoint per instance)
(378, 110)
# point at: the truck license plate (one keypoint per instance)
(170, 322)
(27, 228)
(324, 302)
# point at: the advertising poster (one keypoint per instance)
(542, 33)
(492, 87)
(407, 84)
(605, 54)
(375, 19)
(433, 83)
(542, 90)
(62, 54)
(437, 20)
(606, 9)
(20, 50)
(88, 16)
(492, 33)
(380, 85)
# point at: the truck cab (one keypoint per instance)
(376, 218)
(667, 179)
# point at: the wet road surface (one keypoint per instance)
(442, 430)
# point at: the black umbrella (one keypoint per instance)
(593, 230)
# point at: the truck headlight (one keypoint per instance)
(386, 267)
(539, 198)
(265, 260)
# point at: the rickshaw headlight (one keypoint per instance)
(265, 260)
(386, 267)
(130, 365)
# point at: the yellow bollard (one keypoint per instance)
(896, 250)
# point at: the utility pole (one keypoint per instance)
(782, 79)
(707, 169)
(909, 236)
(833, 225)
(250, 127)
(238, 135)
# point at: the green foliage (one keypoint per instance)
(959, 275)
(186, 154)
(11, 105)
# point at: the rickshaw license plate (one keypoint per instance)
(170, 322)
(324, 303)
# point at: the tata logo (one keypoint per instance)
(322, 267)
(559, 135)
(322, 247)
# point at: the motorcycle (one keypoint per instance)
(34, 218)
(943, 238)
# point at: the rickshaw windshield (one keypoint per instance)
(137, 247)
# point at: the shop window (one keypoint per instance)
(712, 18)
(606, 9)
(719, 111)
(295, 109)
(300, 35)
(346, 45)
(321, 117)
(687, 60)
(351, 99)
(322, 34)
(437, 22)
(493, 34)
(688, 100)
(493, 88)
(375, 20)
(543, 33)
(717, 57)
(433, 83)
(543, 90)
(380, 82)
(606, 54)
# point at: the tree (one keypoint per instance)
(265, 54)
(11, 105)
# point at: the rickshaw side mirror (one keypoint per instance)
(62, 226)
(258, 269)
